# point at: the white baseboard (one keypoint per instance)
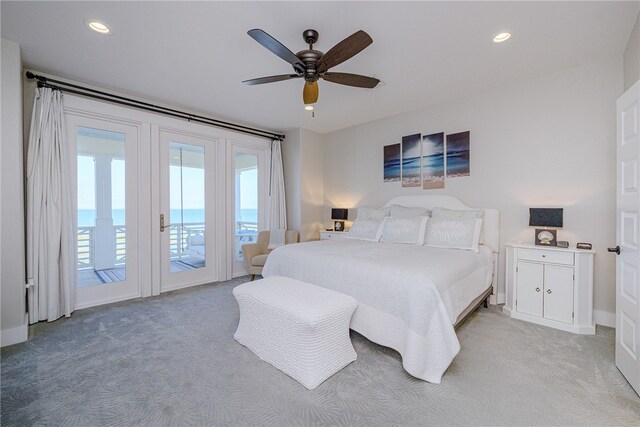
(604, 318)
(14, 335)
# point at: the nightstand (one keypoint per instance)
(326, 235)
(550, 286)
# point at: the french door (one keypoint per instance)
(106, 183)
(188, 218)
(161, 203)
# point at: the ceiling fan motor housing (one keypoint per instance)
(310, 58)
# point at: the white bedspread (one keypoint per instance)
(408, 296)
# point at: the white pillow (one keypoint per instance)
(399, 211)
(372, 213)
(404, 230)
(366, 229)
(459, 214)
(453, 233)
(456, 214)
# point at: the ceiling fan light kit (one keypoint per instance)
(312, 65)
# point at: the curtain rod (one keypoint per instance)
(117, 99)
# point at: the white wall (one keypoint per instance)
(303, 158)
(549, 141)
(632, 57)
(312, 184)
(12, 237)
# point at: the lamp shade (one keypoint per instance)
(341, 214)
(545, 217)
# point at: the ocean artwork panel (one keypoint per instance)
(392, 163)
(411, 160)
(433, 161)
(458, 152)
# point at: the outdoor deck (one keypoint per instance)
(90, 277)
(179, 241)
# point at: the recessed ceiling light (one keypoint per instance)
(502, 37)
(308, 107)
(97, 26)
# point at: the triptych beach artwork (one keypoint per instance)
(421, 160)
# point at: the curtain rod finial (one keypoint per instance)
(30, 75)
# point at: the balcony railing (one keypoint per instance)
(179, 241)
(180, 235)
(85, 247)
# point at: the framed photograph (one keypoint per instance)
(338, 225)
(546, 237)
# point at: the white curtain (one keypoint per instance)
(277, 203)
(51, 239)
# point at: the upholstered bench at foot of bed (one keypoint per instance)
(300, 328)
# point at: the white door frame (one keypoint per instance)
(261, 149)
(215, 248)
(80, 111)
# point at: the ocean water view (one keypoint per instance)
(87, 217)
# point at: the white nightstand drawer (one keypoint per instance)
(326, 235)
(541, 255)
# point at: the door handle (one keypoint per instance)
(162, 224)
(616, 250)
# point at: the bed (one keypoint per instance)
(409, 297)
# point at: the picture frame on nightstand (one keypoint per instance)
(545, 237)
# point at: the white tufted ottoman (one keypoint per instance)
(299, 328)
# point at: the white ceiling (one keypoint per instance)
(196, 54)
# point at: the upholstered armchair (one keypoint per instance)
(255, 254)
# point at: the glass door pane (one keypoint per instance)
(102, 231)
(248, 179)
(246, 202)
(187, 249)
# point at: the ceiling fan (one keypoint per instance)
(313, 65)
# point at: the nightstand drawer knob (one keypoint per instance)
(548, 291)
(537, 289)
(544, 256)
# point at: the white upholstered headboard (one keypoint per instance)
(491, 216)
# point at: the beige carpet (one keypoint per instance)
(172, 360)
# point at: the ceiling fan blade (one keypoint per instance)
(270, 79)
(310, 93)
(351, 80)
(344, 50)
(276, 47)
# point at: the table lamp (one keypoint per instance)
(545, 217)
(339, 216)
